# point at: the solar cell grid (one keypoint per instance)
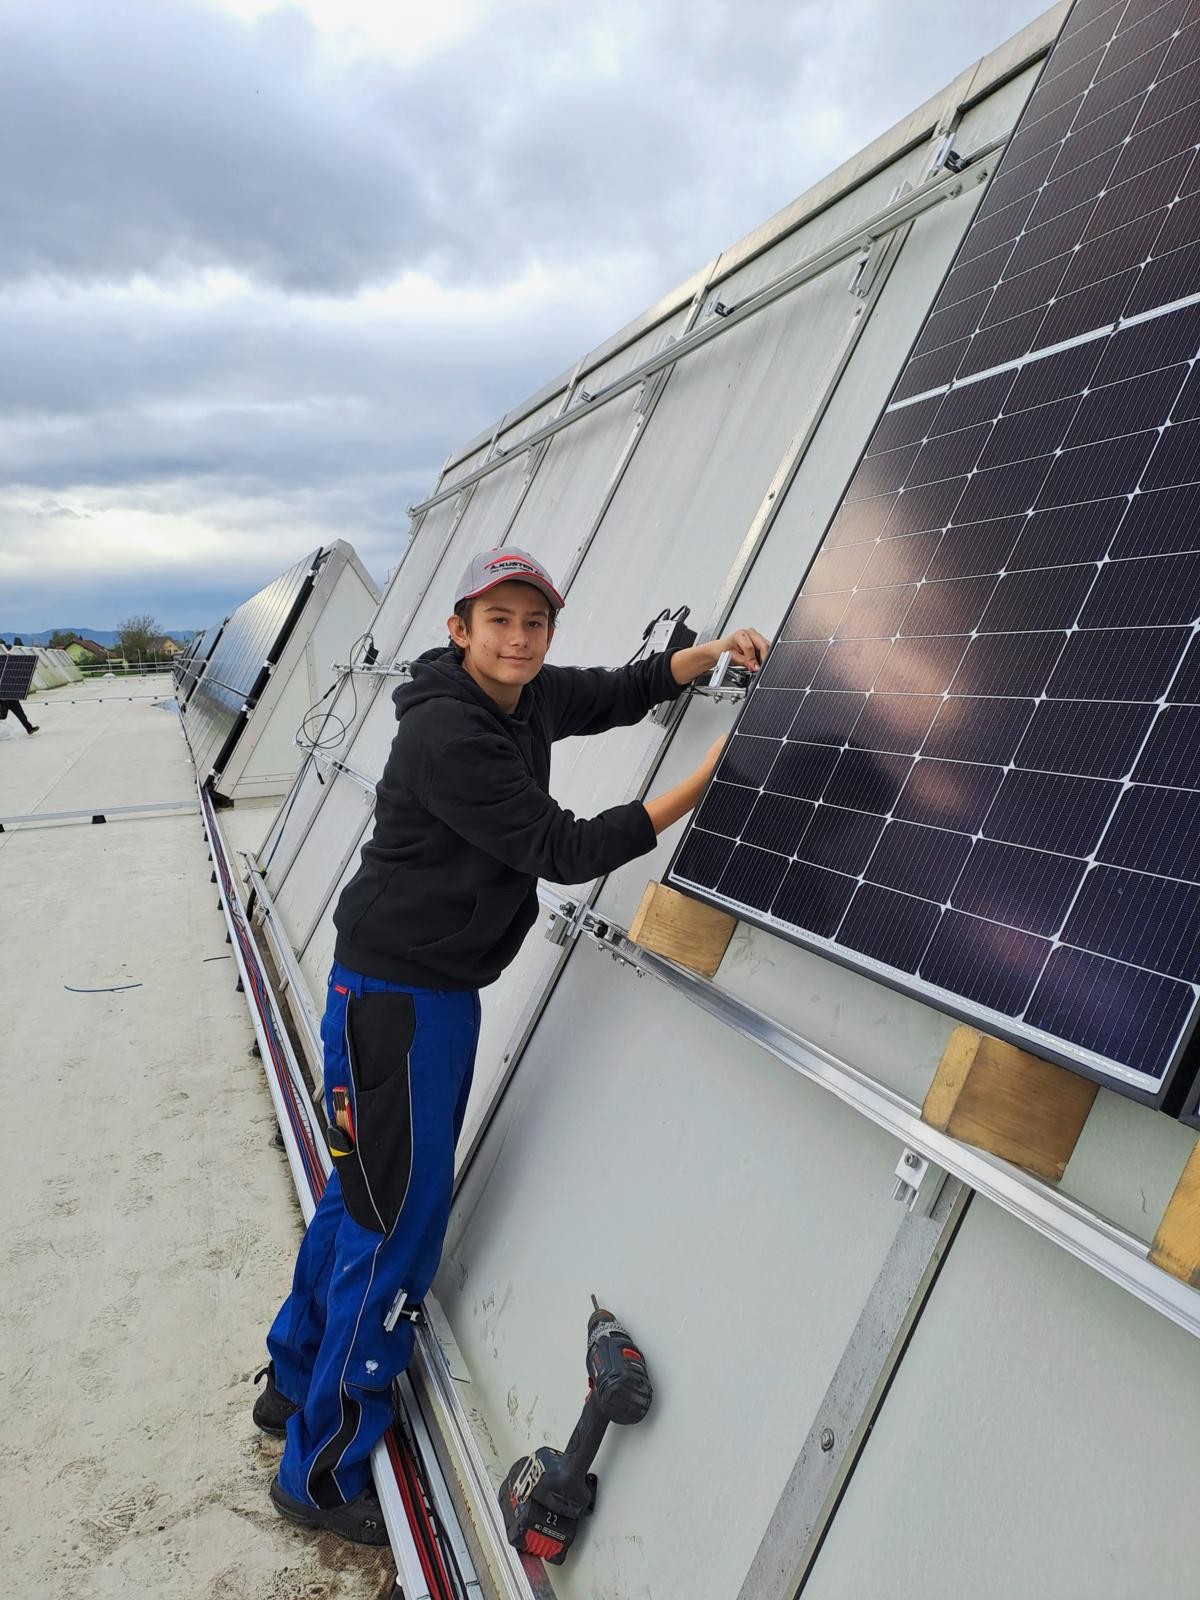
(986, 691)
(16, 674)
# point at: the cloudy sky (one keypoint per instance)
(262, 265)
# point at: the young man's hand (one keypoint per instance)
(708, 766)
(667, 808)
(747, 648)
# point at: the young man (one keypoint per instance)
(445, 894)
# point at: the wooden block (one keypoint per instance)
(1003, 1100)
(684, 930)
(1176, 1247)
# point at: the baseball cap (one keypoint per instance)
(492, 567)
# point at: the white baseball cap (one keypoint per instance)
(493, 567)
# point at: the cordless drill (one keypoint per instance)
(545, 1494)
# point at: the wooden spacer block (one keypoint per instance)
(991, 1095)
(1176, 1247)
(684, 930)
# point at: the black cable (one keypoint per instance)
(662, 616)
(319, 741)
(679, 615)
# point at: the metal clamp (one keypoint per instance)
(726, 682)
(946, 158)
(398, 669)
(918, 1182)
(565, 921)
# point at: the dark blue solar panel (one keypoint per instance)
(191, 670)
(183, 660)
(971, 766)
(16, 674)
(238, 667)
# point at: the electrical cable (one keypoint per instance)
(646, 632)
(456, 1587)
(319, 741)
(681, 614)
(116, 989)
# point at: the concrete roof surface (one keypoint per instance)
(150, 1224)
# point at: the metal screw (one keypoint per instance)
(827, 1439)
(910, 1159)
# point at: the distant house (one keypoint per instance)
(166, 646)
(82, 650)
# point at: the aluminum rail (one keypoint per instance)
(97, 813)
(236, 924)
(513, 1580)
(332, 762)
(271, 1034)
(399, 669)
(414, 1417)
(944, 185)
(520, 1575)
(1120, 1256)
(285, 958)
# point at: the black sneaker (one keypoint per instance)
(360, 1520)
(34, 729)
(272, 1409)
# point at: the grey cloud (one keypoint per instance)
(88, 352)
(154, 137)
(252, 395)
(158, 140)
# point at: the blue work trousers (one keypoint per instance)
(404, 1057)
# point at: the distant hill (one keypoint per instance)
(107, 636)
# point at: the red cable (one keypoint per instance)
(417, 1513)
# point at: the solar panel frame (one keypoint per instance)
(239, 666)
(183, 661)
(1189, 1075)
(193, 668)
(1058, 323)
(16, 674)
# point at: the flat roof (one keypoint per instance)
(151, 1224)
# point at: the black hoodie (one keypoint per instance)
(465, 826)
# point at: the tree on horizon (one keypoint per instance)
(137, 635)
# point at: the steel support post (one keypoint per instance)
(851, 1403)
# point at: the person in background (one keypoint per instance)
(18, 711)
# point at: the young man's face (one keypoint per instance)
(508, 636)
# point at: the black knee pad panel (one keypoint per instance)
(375, 1175)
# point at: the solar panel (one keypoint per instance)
(193, 668)
(183, 661)
(971, 764)
(238, 666)
(16, 674)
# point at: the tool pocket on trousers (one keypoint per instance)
(380, 1028)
